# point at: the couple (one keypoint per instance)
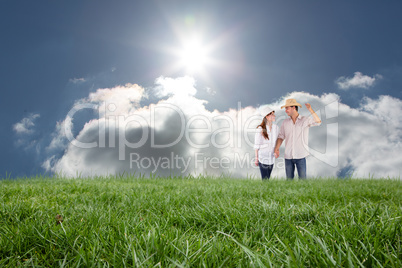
(294, 131)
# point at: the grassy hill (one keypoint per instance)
(221, 222)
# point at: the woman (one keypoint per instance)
(264, 142)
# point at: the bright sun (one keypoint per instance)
(193, 56)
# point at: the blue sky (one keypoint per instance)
(55, 54)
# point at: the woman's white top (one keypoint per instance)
(266, 147)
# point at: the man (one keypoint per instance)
(294, 131)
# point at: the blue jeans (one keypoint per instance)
(265, 170)
(290, 168)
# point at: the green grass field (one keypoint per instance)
(221, 222)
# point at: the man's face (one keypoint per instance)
(290, 110)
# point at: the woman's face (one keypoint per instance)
(270, 117)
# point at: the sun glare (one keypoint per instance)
(193, 56)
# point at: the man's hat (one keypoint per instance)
(291, 102)
(266, 110)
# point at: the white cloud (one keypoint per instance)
(77, 80)
(179, 135)
(182, 86)
(59, 139)
(357, 81)
(26, 134)
(210, 91)
(26, 125)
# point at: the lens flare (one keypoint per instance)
(193, 56)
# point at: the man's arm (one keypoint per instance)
(277, 145)
(315, 116)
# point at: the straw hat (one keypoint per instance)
(265, 110)
(291, 102)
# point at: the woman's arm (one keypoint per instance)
(256, 157)
(278, 144)
(257, 143)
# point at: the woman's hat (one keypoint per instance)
(265, 110)
(291, 102)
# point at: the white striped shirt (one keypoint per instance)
(296, 136)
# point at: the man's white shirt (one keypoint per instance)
(296, 136)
